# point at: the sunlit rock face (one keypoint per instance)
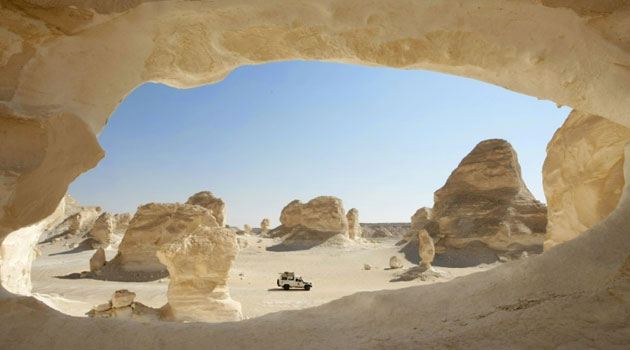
(198, 264)
(354, 228)
(317, 221)
(215, 204)
(582, 174)
(486, 200)
(154, 225)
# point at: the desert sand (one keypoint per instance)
(335, 272)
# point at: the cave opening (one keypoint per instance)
(383, 140)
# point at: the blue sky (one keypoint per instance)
(381, 139)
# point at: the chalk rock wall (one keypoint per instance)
(154, 225)
(486, 200)
(198, 264)
(215, 204)
(582, 174)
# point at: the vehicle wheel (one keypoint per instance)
(286, 287)
(307, 287)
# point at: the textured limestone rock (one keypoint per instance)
(264, 226)
(354, 228)
(122, 298)
(421, 218)
(103, 229)
(78, 220)
(426, 250)
(98, 260)
(152, 226)
(395, 262)
(582, 174)
(486, 200)
(121, 222)
(199, 264)
(291, 214)
(123, 306)
(322, 219)
(207, 200)
(247, 229)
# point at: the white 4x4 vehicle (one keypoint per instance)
(288, 280)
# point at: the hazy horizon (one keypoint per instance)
(381, 139)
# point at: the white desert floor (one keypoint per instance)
(335, 272)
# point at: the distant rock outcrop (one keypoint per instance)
(198, 264)
(78, 220)
(215, 204)
(486, 200)
(264, 226)
(307, 225)
(354, 228)
(152, 226)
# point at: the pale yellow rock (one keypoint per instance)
(264, 225)
(426, 249)
(247, 229)
(420, 218)
(154, 225)
(326, 214)
(354, 227)
(291, 214)
(484, 195)
(395, 262)
(207, 200)
(198, 264)
(582, 175)
(98, 260)
(122, 298)
(103, 228)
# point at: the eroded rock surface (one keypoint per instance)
(322, 219)
(582, 174)
(485, 200)
(198, 264)
(426, 249)
(152, 226)
(354, 228)
(209, 201)
(98, 260)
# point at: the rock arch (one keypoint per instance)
(65, 65)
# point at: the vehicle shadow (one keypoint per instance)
(290, 290)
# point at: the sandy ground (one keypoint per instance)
(335, 272)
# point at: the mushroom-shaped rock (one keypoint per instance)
(485, 190)
(264, 225)
(395, 262)
(215, 204)
(198, 264)
(426, 250)
(354, 228)
(291, 214)
(98, 260)
(582, 174)
(326, 214)
(152, 226)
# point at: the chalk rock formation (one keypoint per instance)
(123, 306)
(98, 260)
(291, 214)
(78, 220)
(198, 264)
(264, 226)
(247, 229)
(215, 204)
(121, 222)
(426, 249)
(421, 219)
(313, 223)
(486, 200)
(381, 230)
(103, 229)
(582, 174)
(354, 228)
(395, 262)
(152, 226)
